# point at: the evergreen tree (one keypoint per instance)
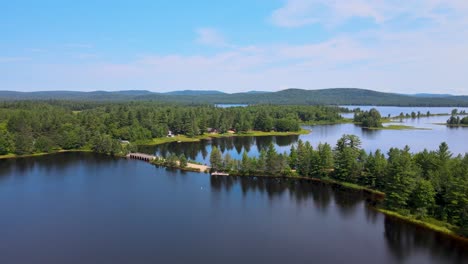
(216, 159)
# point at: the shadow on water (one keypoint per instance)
(53, 164)
(301, 191)
(402, 239)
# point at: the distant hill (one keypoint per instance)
(432, 95)
(194, 92)
(257, 92)
(332, 96)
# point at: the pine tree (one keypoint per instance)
(216, 160)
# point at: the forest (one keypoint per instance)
(429, 185)
(28, 127)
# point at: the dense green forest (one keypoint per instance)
(33, 126)
(427, 185)
(334, 96)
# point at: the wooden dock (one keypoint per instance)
(149, 158)
(141, 156)
(216, 173)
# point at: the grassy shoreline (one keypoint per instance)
(14, 156)
(434, 225)
(183, 138)
(438, 226)
(398, 127)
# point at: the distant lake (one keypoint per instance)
(396, 110)
(89, 208)
(230, 105)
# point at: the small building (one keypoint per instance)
(212, 130)
(169, 134)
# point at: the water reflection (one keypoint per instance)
(93, 207)
(404, 240)
(301, 191)
(235, 146)
(430, 136)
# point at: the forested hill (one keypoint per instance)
(333, 96)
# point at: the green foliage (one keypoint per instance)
(36, 126)
(6, 142)
(216, 159)
(347, 154)
(183, 161)
(370, 119)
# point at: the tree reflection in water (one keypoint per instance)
(403, 239)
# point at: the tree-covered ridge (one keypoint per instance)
(333, 96)
(427, 185)
(29, 127)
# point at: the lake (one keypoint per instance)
(429, 136)
(90, 208)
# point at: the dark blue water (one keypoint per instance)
(88, 208)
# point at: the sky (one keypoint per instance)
(416, 46)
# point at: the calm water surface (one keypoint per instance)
(87, 208)
(429, 135)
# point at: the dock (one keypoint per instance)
(141, 156)
(149, 158)
(216, 173)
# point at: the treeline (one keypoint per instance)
(428, 184)
(32, 126)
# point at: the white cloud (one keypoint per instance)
(297, 13)
(210, 37)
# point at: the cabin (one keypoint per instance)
(212, 130)
(169, 134)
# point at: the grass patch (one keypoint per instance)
(328, 122)
(183, 138)
(398, 127)
(163, 140)
(11, 155)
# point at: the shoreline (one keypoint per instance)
(183, 138)
(380, 195)
(39, 154)
(424, 224)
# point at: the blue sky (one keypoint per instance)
(386, 45)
